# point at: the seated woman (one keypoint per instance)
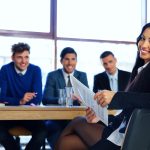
(81, 134)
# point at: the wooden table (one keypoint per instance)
(40, 112)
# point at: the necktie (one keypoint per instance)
(20, 74)
(69, 82)
(113, 84)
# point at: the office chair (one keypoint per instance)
(21, 131)
(137, 136)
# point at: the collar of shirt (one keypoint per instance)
(142, 67)
(66, 75)
(115, 76)
(22, 72)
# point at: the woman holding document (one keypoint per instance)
(82, 134)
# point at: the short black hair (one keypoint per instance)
(106, 53)
(20, 47)
(67, 50)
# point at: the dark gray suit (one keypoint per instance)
(101, 81)
(55, 80)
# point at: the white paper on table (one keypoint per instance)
(87, 98)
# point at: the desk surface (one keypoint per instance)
(40, 112)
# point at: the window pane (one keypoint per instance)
(148, 10)
(99, 19)
(42, 52)
(88, 56)
(25, 15)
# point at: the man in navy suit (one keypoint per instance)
(58, 79)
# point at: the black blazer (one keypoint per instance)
(137, 96)
(101, 81)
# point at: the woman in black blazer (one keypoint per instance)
(81, 134)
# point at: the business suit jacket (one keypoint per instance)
(101, 81)
(55, 80)
(137, 96)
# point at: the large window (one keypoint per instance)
(25, 15)
(26, 18)
(148, 10)
(118, 20)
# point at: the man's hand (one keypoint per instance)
(27, 97)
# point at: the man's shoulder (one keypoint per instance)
(34, 69)
(33, 66)
(7, 66)
(101, 74)
(55, 73)
(80, 72)
(124, 72)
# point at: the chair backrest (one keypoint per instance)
(137, 135)
(19, 131)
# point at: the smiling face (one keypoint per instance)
(69, 62)
(21, 60)
(144, 45)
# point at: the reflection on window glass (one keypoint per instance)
(99, 19)
(25, 15)
(42, 53)
(88, 56)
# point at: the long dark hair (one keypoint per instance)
(139, 62)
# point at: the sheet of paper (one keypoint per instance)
(116, 137)
(87, 98)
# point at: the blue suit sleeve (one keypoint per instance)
(50, 95)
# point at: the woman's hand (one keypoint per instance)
(91, 116)
(104, 97)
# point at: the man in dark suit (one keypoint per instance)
(112, 78)
(103, 80)
(58, 79)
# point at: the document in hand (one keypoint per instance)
(87, 98)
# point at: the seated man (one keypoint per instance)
(21, 84)
(58, 79)
(112, 78)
